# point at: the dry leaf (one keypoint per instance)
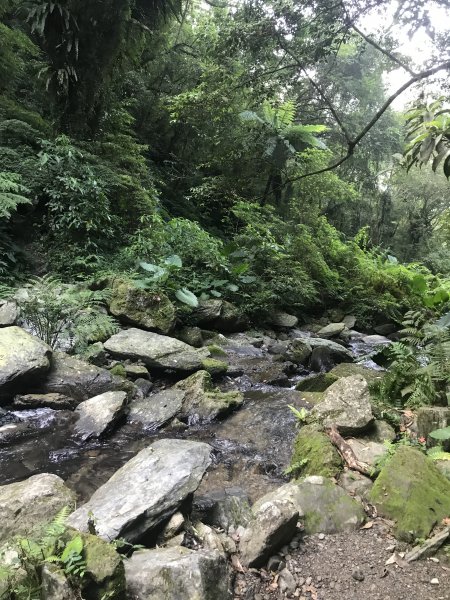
(367, 525)
(237, 564)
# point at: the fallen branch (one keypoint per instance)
(346, 452)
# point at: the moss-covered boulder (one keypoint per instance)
(314, 454)
(105, 573)
(316, 383)
(413, 492)
(143, 308)
(312, 397)
(203, 402)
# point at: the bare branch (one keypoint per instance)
(355, 141)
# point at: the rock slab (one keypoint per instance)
(146, 491)
(177, 574)
(156, 351)
(98, 415)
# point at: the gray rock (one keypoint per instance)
(430, 418)
(155, 411)
(55, 585)
(156, 351)
(8, 313)
(79, 380)
(349, 321)
(299, 351)
(287, 582)
(98, 415)
(355, 483)
(135, 371)
(282, 319)
(380, 431)
(23, 360)
(327, 353)
(376, 340)
(144, 386)
(95, 354)
(145, 491)
(177, 574)
(191, 335)
(230, 512)
(327, 507)
(54, 401)
(219, 315)
(273, 526)
(331, 330)
(367, 452)
(385, 329)
(28, 505)
(140, 307)
(346, 404)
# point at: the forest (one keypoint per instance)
(287, 161)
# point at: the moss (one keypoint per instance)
(105, 573)
(314, 447)
(316, 383)
(118, 370)
(216, 350)
(312, 397)
(214, 366)
(412, 491)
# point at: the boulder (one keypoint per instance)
(8, 313)
(314, 454)
(202, 402)
(346, 404)
(54, 400)
(136, 371)
(331, 330)
(215, 367)
(380, 431)
(355, 483)
(227, 509)
(191, 335)
(385, 329)
(143, 308)
(326, 354)
(413, 492)
(146, 491)
(349, 321)
(283, 320)
(153, 412)
(177, 574)
(79, 380)
(156, 351)
(299, 351)
(26, 506)
(23, 360)
(327, 508)
(98, 415)
(105, 572)
(55, 585)
(376, 340)
(273, 526)
(95, 354)
(219, 315)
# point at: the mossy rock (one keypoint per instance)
(146, 309)
(202, 401)
(314, 446)
(214, 366)
(348, 369)
(413, 492)
(118, 370)
(216, 350)
(316, 383)
(105, 573)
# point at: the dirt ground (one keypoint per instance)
(348, 566)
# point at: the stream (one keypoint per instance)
(251, 447)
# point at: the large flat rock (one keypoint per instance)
(145, 491)
(157, 351)
(28, 505)
(23, 359)
(177, 574)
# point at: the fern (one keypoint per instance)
(11, 194)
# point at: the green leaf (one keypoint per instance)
(75, 546)
(232, 287)
(419, 284)
(187, 297)
(441, 434)
(174, 261)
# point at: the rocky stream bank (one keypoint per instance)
(182, 441)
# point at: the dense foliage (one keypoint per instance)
(137, 131)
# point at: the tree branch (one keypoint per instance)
(355, 141)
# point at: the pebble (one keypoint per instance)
(286, 581)
(308, 581)
(434, 581)
(276, 563)
(321, 536)
(358, 575)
